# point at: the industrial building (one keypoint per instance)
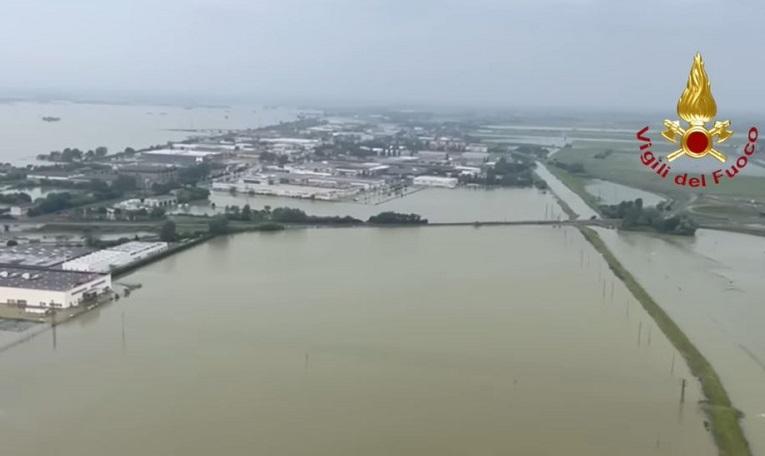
(218, 147)
(160, 201)
(121, 255)
(319, 181)
(37, 290)
(150, 202)
(40, 255)
(180, 157)
(435, 181)
(146, 175)
(264, 186)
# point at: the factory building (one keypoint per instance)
(435, 181)
(150, 202)
(146, 175)
(121, 255)
(40, 255)
(37, 290)
(180, 157)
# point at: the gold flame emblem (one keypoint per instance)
(697, 107)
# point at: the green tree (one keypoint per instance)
(157, 213)
(124, 183)
(288, 215)
(395, 218)
(246, 212)
(218, 225)
(70, 155)
(193, 174)
(90, 239)
(15, 198)
(168, 232)
(98, 185)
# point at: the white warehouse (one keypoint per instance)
(37, 290)
(121, 255)
(435, 181)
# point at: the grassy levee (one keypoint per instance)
(723, 417)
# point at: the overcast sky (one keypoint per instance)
(581, 53)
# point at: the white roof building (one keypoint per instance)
(114, 257)
(37, 290)
(436, 181)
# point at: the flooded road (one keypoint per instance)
(574, 201)
(415, 341)
(712, 287)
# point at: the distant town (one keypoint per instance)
(146, 193)
(99, 212)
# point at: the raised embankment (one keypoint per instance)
(723, 417)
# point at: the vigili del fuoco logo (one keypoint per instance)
(697, 108)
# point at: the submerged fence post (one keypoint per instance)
(53, 327)
(682, 392)
(124, 341)
(672, 368)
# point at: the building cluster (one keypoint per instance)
(150, 202)
(338, 159)
(320, 181)
(162, 166)
(320, 158)
(39, 277)
(105, 260)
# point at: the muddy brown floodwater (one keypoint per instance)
(712, 286)
(412, 341)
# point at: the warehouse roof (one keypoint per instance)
(182, 153)
(41, 255)
(133, 247)
(43, 279)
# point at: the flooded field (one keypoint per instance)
(613, 193)
(435, 204)
(416, 341)
(712, 287)
(116, 126)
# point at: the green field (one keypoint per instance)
(737, 202)
(741, 200)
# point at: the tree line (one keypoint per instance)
(274, 219)
(636, 216)
(73, 154)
